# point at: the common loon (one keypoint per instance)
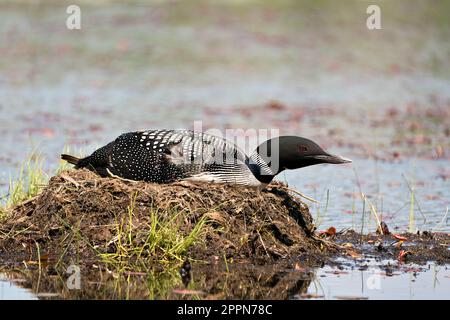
(164, 156)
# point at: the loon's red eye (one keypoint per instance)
(304, 148)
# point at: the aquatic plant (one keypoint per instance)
(162, 239)
(30, 178)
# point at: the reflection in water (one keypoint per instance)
(411, 282)
(11, 289)
(239, 281)
(207, 282)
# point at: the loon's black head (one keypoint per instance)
(292, 152)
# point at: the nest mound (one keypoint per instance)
(79, 214)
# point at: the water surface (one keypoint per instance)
(379, 97)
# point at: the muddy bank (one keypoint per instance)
(419, 248)
(81, 216)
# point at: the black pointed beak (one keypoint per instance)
(330, 158)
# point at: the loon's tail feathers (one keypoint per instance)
(77, 162)
(70, 159)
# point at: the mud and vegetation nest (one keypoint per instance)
(80, 215)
